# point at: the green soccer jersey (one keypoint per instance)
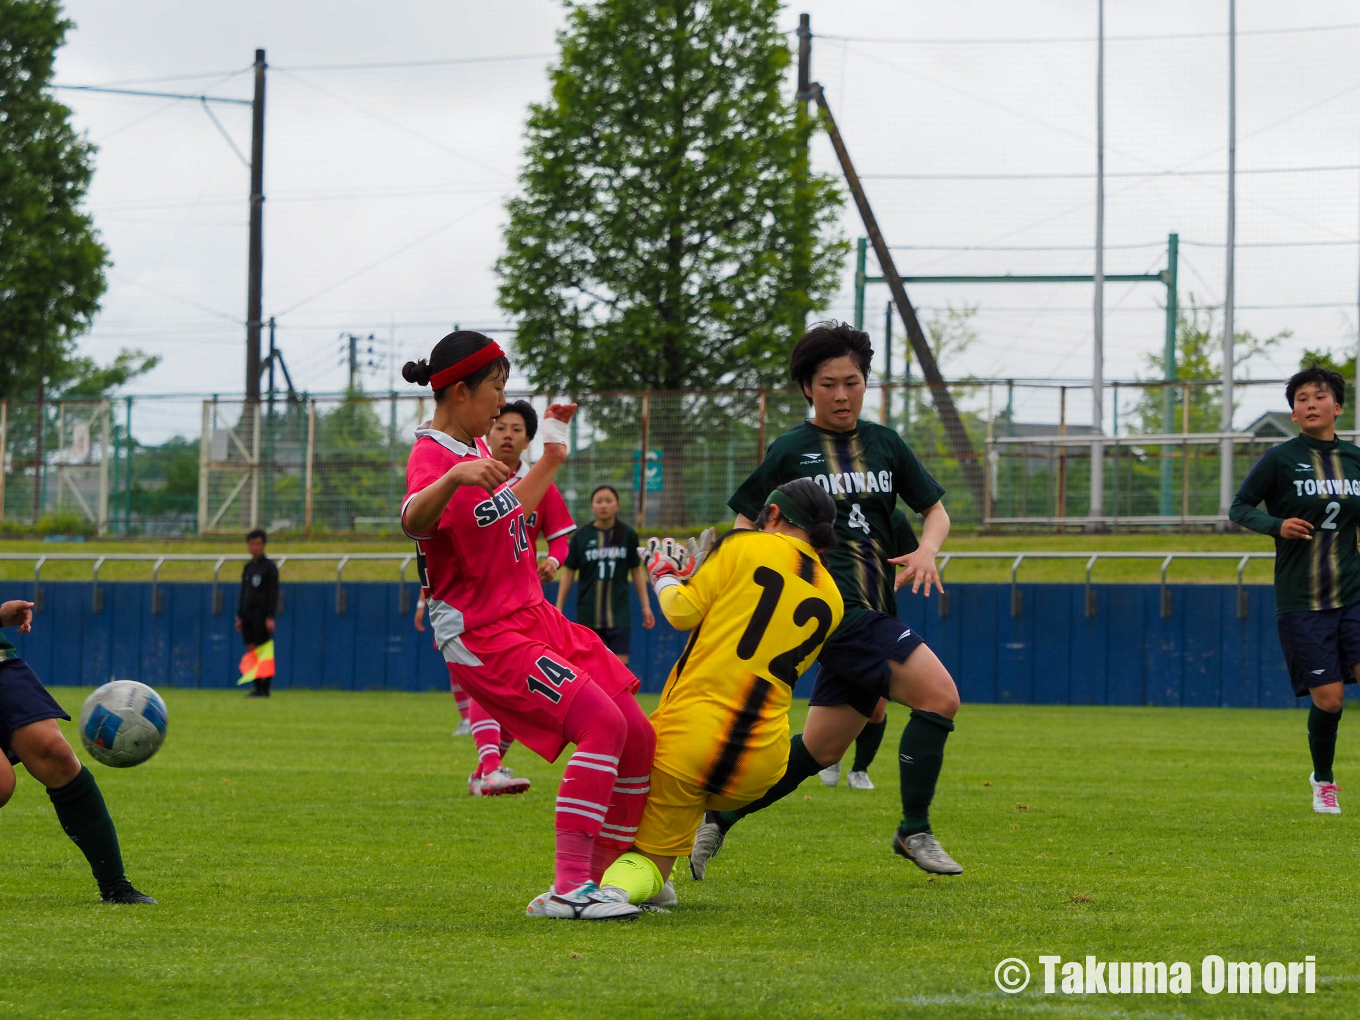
(864, 470)
(603, 562)
(1319, 482)
(7, 649)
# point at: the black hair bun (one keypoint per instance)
(417, 372)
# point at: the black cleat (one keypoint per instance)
(122, 891)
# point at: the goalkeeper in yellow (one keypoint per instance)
(758, 613)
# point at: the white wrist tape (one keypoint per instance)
(663, 582)
(553, 431)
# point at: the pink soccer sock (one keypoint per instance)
(630, 788)
(486, 731)
(460, 698)
(599, 729)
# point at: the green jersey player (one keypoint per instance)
(865, 467)
(1311, 488)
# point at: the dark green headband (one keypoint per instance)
(792, 512)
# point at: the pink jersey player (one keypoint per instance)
(552, 682)
(553, 522)
(508, 441)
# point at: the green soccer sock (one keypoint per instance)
(1322, 742)
(801, 766)
(636, 875)
(921, 754)
(85, 818)
(866, 744)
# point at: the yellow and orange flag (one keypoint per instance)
(257, 663)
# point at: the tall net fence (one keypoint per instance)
(56, 459)
(337, 463)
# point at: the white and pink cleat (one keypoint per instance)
(494, 784)
(1324, 797)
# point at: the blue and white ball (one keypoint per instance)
(122, 723)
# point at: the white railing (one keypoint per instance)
(342, 559)
(1092, 558)
(158, 560)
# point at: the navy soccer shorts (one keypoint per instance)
(23, 700)
(862, 654)
(1320, 646)
(617, 639)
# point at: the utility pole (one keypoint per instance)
(255, 281)
(1097, 502)
(353, 360)
(802, 260)
(272, 358)
(887, 366)
(38, 473)
(1225, 449)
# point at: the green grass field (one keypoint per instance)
(316, 855)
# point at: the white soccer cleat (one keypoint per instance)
(924, 850)
(831, 775)
(584, 903)
(502, 781)
(464, 729)
(665, 899)
(474, 785)
(1324, 797)
(859, 781)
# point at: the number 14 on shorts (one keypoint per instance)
(555, 674)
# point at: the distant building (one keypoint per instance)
(1273, 425)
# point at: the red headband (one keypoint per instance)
(462, 369)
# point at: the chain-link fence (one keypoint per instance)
(1161, 463)
(336, 463)
(56, 458)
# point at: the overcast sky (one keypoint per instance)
(386, 185)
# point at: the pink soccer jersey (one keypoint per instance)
(552, 519)
(480, 562)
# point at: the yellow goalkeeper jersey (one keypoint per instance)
(759, 610)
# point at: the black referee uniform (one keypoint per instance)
(259, 602)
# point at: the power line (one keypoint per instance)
(1031, 40)
(1085, 175)
(394, 124)
(985, 309)
(151, 95)
(1345, 242)
(390, 255)
(448, 62)
(1348, 242)
(331, 196)
(224, 75)
(1024, 247)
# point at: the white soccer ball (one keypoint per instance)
(122, 723)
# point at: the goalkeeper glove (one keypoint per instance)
(667, 562)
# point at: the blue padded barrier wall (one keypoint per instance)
(1051, 654)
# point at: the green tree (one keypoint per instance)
(51, 259)
(668, 236)
(1199, 356)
